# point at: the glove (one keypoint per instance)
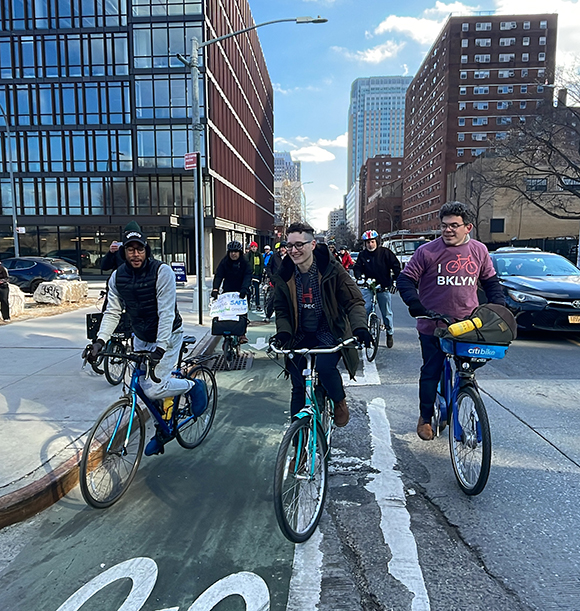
(243, 294)
(363, 336)
(281, 339)
(92, 350)
(214, 294)
(417, 309)
(157, 355)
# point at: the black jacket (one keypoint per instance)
(236, 275)
(381, 265)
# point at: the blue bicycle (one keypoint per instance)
(114, 446)
(460, 405)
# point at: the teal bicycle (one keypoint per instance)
(114, 446)
(301, 473)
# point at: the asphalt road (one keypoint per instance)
(397, 532)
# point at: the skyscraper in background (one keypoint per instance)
(376, 119)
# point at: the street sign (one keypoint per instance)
(190, 161)
(179, 270)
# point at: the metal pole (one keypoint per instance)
(12, 185)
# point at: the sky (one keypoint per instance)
(312, 68)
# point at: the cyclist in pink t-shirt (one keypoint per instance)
(442, 279)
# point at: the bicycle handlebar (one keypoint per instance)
(140, 357)
(343, 344)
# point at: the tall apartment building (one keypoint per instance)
(335, 218)
(287, 189)
(285, 168)
(99, 110)
(376, 120)
(483, 74)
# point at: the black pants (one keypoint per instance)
(433, 359)
(256, 288)
(4, 304)
(328, 375)
(269, 305)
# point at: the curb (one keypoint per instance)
(41, 494)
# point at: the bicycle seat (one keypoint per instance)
(189, 339)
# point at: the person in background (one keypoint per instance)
(257, 268)
(267, 255)
(271, 270)
(113, 259)
(345, 258)
(332, 248)
(4, 294)
(234, 273)
(380, 264)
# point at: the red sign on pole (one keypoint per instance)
(190, 161)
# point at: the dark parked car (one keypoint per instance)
(29, 272)
(70, 255)
(542, 289)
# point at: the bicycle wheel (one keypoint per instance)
(191, 430)
(229, 351)
(375, 331)
(107, 465)
(114, 366)
(300, 482)
(471, 453)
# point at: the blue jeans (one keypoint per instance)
(384, 302)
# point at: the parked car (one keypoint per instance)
(70, 255)
(542, 289)
(29, 272)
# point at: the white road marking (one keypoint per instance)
(387, 487)
(260, 343)
(306, 579)
(369, 376)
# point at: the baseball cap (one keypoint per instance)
(134, 236)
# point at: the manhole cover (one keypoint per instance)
(244, 361)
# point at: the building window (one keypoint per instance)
(526, 25)
(525, 57)
(480, 105)
(483, 27)
(463, 75)
(479, 74)
(540, 88)
(460, 152)
(542, 40)
(483, 42)
(501, 135)
(477, 152)
(482, 59)
(544, 25)
(505, 89)
(462, 90)
(503, 120)
(464, 59)
(570, 184)
(480, 90)
(462, 105)
(508, 25)
(507, 42)
(505, 73)
(503, 105)
(524, 72)
(496, 225)
(465, 42)
(460, 137)
(479, 137)
(537, 184)
(523, 104)
(526, 41)
(464, 27)
(524, 89)
(506, 57)
(541, 57)
(461, 121)
(541, 72)
(479, 121)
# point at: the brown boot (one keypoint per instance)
(424, 430)
(341, 415)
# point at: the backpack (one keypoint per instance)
(498, 327)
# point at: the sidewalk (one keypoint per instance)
(48, 403)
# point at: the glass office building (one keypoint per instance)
(99, 113)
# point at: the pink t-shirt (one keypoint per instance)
(447, 278)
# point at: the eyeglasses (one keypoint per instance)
(132, 249)
(452, 226)
(296, 245)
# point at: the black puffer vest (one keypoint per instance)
(137, 288)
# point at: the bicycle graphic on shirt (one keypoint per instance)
(462, 263)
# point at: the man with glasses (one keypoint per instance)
(146, 289)
(317, 304)
(441, 279)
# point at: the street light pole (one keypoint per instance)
(199, 210)
(12, 184)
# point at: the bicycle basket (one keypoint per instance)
(94, 322)
(477, 351)
(229, 327)
(498, 327)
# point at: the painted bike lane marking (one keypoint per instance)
(387, 487)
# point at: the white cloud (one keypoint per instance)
(443, 9)
(312, 154)
(284, 143)
(340, 142)
(375, 55)
(302, 139)
(334, 187)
